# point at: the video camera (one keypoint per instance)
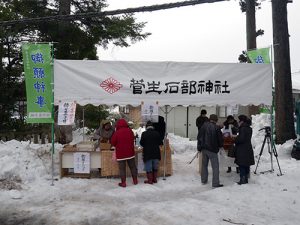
(267, 129)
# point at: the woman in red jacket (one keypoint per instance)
(123, 140)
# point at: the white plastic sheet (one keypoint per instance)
(169, 83)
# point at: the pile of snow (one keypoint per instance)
(179, 199)
(181, 145)
(22, 161)
(81, 134)
(284, 151)
(31, 162)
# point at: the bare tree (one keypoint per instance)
(251, 37)
(250, 24)
(284, 119)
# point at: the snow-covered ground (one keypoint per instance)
(27, 196)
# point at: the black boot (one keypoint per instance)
(228, 170)
(242, 180)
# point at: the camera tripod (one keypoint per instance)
(271, 149)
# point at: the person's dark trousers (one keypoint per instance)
(122, 171)
(248, 173)
(214, 161)
(244, 170)
(133, 170)
(132, 167)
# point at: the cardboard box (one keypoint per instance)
(86, 146)
(69, 148)
(105, 146)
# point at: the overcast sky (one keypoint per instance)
(213, 32)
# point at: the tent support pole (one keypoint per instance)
(52, 152)
(83, 123)
(52, 125)
(272, 113)
(187, 122)
(165, 139)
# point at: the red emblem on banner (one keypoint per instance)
(111, 85)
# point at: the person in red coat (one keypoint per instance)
(123, 140)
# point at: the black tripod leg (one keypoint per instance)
(261, 151)
(276, 155)
(270, 150)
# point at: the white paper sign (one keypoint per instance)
(149, 112)
(66, 113)
(82, 161)
(232, 110)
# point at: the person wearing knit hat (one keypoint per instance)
(104, 132)
(150, 141)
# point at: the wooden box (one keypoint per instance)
(108, 167)
(168, 164)
(104, 146)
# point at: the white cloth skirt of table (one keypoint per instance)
(68, 159)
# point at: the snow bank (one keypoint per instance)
(179, 199)
(26, 161)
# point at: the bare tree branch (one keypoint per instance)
(108, 13)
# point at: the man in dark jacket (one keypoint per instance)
(201, 119)
(210, 139)
(150, 142)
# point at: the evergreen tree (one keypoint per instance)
(249, 7)
(11, 84)
(72, 39)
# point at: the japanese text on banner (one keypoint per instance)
(38, 78)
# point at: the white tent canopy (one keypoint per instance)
(169, 83)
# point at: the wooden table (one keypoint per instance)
(66, 162)
(103, 160)
(111, 169)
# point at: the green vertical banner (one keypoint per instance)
(38, 70)
(260, 55)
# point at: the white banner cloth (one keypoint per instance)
(169, 83)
